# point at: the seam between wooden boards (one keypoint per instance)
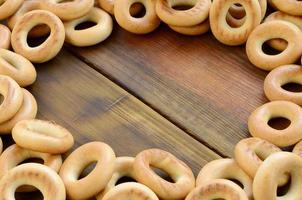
(127, 89)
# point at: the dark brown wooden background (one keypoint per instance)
(190, 96)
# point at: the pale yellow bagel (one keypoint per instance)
(224, 32)
(225, 169)
(5, 36)
(281, 76)
(27, 6)
(198, 29)
(266, 180)
(14, 155)
(250, 153)
(217, 189)
(97, 179)
(123, 168)
(278, 15)
(191, 17)
(258, 123)
(263, 33)
(108, 6)
(12, 98)
(92, 35)
(292, 7)
(42, 136)
(180, 173)
(27, 111)
(143, 25)
(49, 48)
(9, 7)
(17, 67)
(68, 10)
(43, 178)
(133, 191)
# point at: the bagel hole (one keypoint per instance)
(283, 190)
(32, 160)
(37, 195)
(164, 175)
(137, 10)
(292, 87)
(279, 123)
(236, 14)
(269, 50)
(125, 179)
(182, 7)
(87, 169)
(1, 99)
(85, 25)
(37, 41)
(237, 182)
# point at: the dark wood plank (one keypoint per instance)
(94, 108)
(204, 87)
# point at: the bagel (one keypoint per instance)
(181, 174)
(198, 29)
(9, 7)
(50, 47)
(292, 7)
(17, 67)
(258, 123)
(42, 136)
(92, 35)
(108, 6)
(263, 33)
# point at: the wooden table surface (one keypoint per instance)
(190, 96)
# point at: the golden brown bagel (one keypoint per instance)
(27, 111)
(258, 123)
(50, 47)
(263, 33)
(9, 7)
(97, 179)
(292, 7)
(181, 174)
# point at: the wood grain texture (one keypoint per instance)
(94, 108)
(204, 87)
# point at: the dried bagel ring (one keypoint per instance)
(223, 31)
(123, 168)
(43, 178)
(298, 149)
(218, 189)
(277, 43)
(181, 174)
(134, 191)
(266, 180)
(108, 6)
(193, 16)
(27, 111)
(238, 12)
(5, 36)
(292, 7)
(225, 169)
(143, 25)
(50, 47)
(263, 33)
(97, 179)
(42, 136)
(198, 29)
(92, 35)
(281, 76)
(17, 67)
(250, 153)
(68, 10)
(27, 6)
(258, 123)
(12, 98)
(9, 7)
(14, 155)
